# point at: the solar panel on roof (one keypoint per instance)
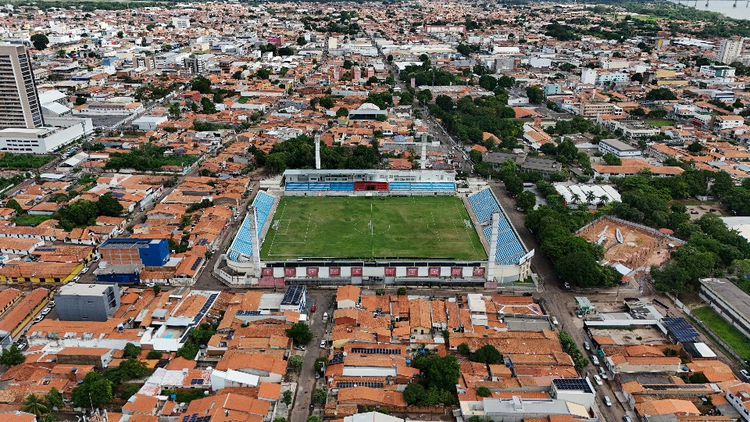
(572, 384)
(680, 329)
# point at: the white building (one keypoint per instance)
(729, 122)
(588, 76)
(618, 148)
(44, 140)
(730, 49)
(181, 22)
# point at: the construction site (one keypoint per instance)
(630, 248)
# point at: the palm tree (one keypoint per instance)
(590, 197)
(35, 405)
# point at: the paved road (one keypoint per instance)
(307, 383)
(557, 301)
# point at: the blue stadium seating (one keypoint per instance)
(320, 187)
(349, 187)
(422, 187)
(243, 242)
(509, 246)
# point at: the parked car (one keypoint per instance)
(46, 311)
(322, 344)
(627, 419)
(39, 318)
(555, 322)
(607, 401)
(313, 309)
(745, 374)
(586, 346)
(51, 304)
(603, 373)
(595, 360)
(598, 380)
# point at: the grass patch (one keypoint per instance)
(24, 161)
(30, 220)
(732, 336)
(390, 227)
(657, 123)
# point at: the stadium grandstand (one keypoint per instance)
(359, 226)
(348, 182)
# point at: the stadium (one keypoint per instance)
(404, 227)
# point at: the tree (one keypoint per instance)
(326, 102)
(611, 159)
(439, 372)
(660, 94)
(488, 82)
(424, 96)
(54, 400)
(209, 107)
(12, 356)
(131, 351)
(300, 333)
(109, 206)
(174, 111)
(526, 201)
(695, 147)
(95, 391)
(413, 394)
(581, 269)
(483, 392)
(295, 363)
(535, 94)
(444, 102)
(406, 98)
(314, 419)
(287, 397)
(35, 405)
(342, 112)
(320, 396)
(301, 40)
(487, 354)
(40, 41)
(201, 84)
(154, 354)
(464, 349)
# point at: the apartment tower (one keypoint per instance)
(19, 101)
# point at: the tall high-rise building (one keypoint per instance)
(19, 101)
(730, 50)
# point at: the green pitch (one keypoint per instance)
(375, 227)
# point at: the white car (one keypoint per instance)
(745, 374)
(598, 380)
(38, 319)
(607, 401)
(555, 322)
(322, 344)
(46, 311)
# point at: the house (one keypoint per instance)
(347, 297)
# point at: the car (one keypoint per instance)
(39, 318)
(745, 374)
(313, 309)
(586, 346)
(554, 321)
(566, 285)
(51, 304)
(46, 311)
(598, 380)
(603, 373)
(322, 344)
(595, 360)
(627, 419)
(607, 401)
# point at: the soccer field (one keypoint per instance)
(375, 227)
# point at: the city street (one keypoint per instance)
(307, 383)
(557, 301)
